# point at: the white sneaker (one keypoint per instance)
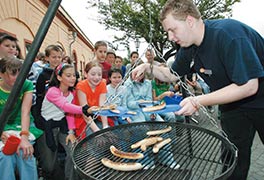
(174, 165)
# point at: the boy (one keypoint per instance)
(8, 46)
(18, 123)
(100, 50)
(53, 56)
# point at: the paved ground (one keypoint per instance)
(256, 171)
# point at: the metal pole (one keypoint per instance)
(42, 31)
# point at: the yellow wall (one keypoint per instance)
(23, 17)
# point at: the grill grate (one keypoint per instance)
(201, 154)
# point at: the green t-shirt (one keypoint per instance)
(14, 122)
(160, 88)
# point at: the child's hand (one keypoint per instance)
(70, 137)
(4, 137)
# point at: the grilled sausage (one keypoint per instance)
(159, 145)
(127, 155)
(154, 108)
(150, 141)
(157, 132)
(145, 141)
(121, 166)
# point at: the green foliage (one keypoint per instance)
(140, 18)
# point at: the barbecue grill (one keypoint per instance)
(194, 153)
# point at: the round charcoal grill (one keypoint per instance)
(194, 153)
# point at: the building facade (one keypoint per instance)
(22, 18)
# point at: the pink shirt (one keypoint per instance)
(55, 105)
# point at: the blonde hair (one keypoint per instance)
(180, 9)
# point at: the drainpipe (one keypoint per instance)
(74, 35)
(42, 31)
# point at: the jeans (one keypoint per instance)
(27, 168)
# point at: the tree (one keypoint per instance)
(140, 19)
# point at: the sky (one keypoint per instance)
(249, 12)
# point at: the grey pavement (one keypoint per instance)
(256, 171)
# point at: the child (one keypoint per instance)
(116, 93)
(58, 114)
(136, 92)
(19, 121)
(159, 91)
(100, 50)
(8, 46)
(91, 91)
(119, 64)
(53, 55)
(133, 58)
(110, 57)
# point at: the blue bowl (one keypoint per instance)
(173, 99)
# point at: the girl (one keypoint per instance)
(91, 91)
(59, 128)
(116, 94)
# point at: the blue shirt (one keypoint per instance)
(234, 53)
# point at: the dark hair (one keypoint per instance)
(119, 57)
(11, 64)
(134, 52)
(58, 72)
(67, 59)
(110, 52)
(114, 70)
(7, 37)
(19, 54)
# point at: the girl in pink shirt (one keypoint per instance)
(58, 113)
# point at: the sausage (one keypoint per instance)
(154, 108)
(159, 145)
(127, 155)
(107, 107)
(144, 141)
(121, 166)
(157, 132)
(150, 141)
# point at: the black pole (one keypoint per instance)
(42, 31)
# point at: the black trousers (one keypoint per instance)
(241, 125)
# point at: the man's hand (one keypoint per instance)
(139, 72)
(188, 106)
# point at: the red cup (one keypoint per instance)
(11, 145)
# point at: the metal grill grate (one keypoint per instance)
(201, 154)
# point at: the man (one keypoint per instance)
(229, 56)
